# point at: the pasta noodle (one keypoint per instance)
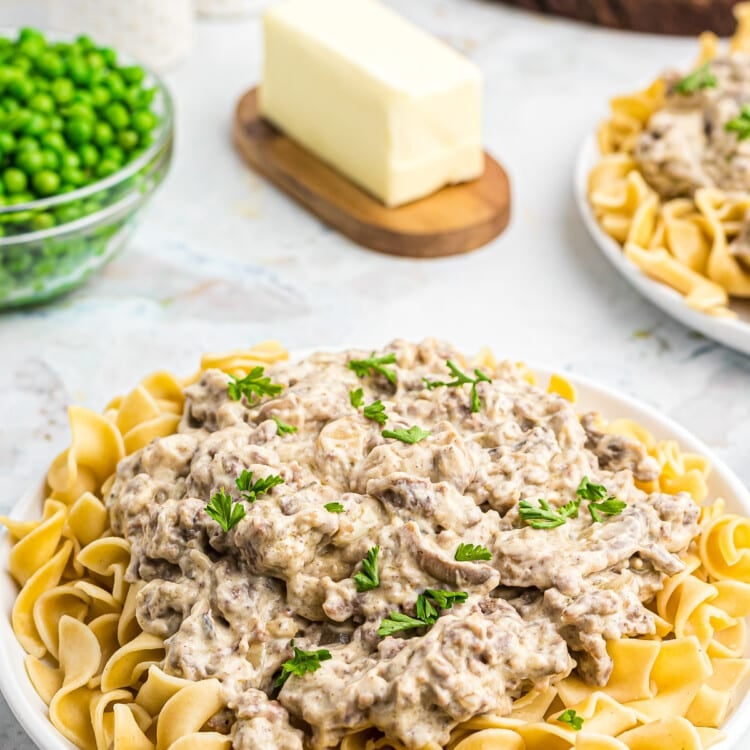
(103, 680)
(682, 242)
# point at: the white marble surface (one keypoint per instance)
(222, 259)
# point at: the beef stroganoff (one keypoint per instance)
(363, 549)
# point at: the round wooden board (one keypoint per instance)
(454, 220)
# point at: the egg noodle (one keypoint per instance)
(101, 677)
(682, 242)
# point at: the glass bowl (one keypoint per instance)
(89, 225)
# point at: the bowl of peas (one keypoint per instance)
(85, 139)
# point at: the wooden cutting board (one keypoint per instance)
(454, 220)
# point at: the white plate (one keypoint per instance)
(32, 713)
(732, 333)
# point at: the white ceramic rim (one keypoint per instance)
(31, 712)
(734, 333)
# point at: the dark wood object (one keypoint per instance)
(454, 220)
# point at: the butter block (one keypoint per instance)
(394, 109)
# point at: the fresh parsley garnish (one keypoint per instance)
(376, 412)
(471, 552)
(610, 507)
(252, 385)
(740, 124)
(357, 398)
(282, 428)
(461, 378)
(544, 516)
(570, 717)
(700, 78)
(225, 511)
(375, 364)
(302, 663)
(396, 622)
(250, 490)
(413, 435)
(334, 507)
(600, 501)
(368, 578)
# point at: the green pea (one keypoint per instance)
(27, 143)
(28, 32)
(79, 111)
(67, 213)
(43, 103)
(79, 71)
(51, 64)
(91, 206)
(10, 105)
(143, 121)
(21, 88)
(117, 115)
(84, 43)
(109, 55)
(63, 90)
(72, 176)
(15, 180)
(103, 133)
(89, 154)
(36, 125)
(96, 60)
(21, 62)
(32, 48)
(114, 153)
(46, 182)
(115, 84)
(40, 84)
(19, 198)
(7, 141)
(83, 96)
(79, 130)
(106, 167)
(128, 139)
(55, 123)
(54, 141)
(101, 96)
(30, 161)
(70, 159)
(42, 221)
(132, 73)
(51, 159)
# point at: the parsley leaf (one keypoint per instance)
(396, 622)
(570, 717)
(376, 412)
(740, 124)
(446, 599)
(368, 578)
(357, 398)
(373, 365)
(302, 663)
(471, 552)
(587, 490)
(427, 612)
(413, 435)
(461, 378)
(250, 490)
(700, 78)
(282, 428)
(334, 507)
(610, 507)
(225, 511)
(252, 385)
(544, 516)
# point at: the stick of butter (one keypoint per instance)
(391, 107)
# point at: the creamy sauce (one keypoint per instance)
(229, 604)
(685, 145)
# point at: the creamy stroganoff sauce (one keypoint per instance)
(229, 604)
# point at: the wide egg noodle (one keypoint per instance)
(102, 676)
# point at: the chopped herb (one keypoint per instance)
(461, 378)
(700, 78)
(250, 490)
(334, 507)
(587, 490)
(610, 507)
(368, 578)
(225, 511)
(570, 717)
(413, 435)
(471, 552)
(357, 398)
(427, 612)
(446, 599)
(397, 622)
(302, 663)
(375, 364)
(282, 428)
(740, 124)
(253, 384)
(544, 516)
(376, 412)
